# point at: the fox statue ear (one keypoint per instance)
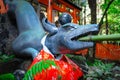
(49, 27)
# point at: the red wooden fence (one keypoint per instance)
(104, 51)
(107, 51)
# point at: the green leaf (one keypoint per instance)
(38, 67)
(8, 76)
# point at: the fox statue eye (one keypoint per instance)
(70, 28)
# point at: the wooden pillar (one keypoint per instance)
(3, 8)
(64, 8)
(74, 16)
(49, 10)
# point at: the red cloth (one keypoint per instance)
(65, 68)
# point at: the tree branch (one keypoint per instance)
(101, 21)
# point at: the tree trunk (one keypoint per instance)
(106, 23)
(92, 6)
(84, 15)
(106, 18)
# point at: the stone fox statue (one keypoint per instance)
(31, 40)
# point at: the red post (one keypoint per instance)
(74, 16)
(3, 8)
(49, 10)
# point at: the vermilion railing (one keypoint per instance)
(51, 5)
(104, 51)
(107, 51)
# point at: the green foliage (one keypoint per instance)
(97, 69)
(8, 76)
(101, 71)
(5, 57)
(113, 16)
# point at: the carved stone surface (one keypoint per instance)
(62, 40)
